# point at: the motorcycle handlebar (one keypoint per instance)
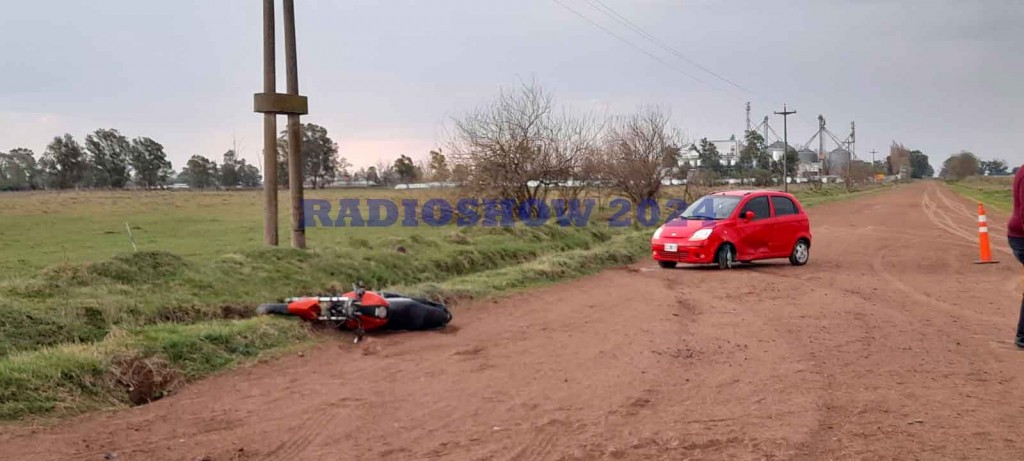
(323, 299)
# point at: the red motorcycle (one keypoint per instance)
(361, 311)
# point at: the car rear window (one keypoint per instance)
(783, 205)
(759, 205)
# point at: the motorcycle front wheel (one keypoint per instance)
(415, 314)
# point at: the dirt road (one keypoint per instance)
(890, 344)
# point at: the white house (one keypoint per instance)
(729, 149)
(776, 149)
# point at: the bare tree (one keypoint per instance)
(857, 172)
(520, 144)
(598, 171)
(636, 146)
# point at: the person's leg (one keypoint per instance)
(1020, 320)
(1020, 326)
(1017, 246)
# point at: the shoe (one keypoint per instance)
(1020, 343)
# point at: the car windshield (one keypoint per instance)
(711, 207)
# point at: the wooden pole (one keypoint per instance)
(295, 181)
(269, 130)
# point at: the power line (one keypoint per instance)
(608, 11)
(648, 53)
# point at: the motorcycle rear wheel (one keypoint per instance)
(272, 308)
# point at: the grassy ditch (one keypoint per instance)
(83, 302)
(133, 365)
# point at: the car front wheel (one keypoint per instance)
(801, 253)
(725, 257)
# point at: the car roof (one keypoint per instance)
(740, 193)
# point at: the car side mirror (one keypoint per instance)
(748, 215)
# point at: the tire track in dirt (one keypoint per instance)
(997, 231)
(996, 228)
(537, 447)
(879, 267)
(942, 219)
(917, 321)
(953, 205)
(303, 435)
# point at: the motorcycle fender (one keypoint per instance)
(306, 308)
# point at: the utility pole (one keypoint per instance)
(270, 103)
(295, 180)
(873, 169)
(269, 129)
(785, 144)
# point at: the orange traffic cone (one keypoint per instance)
(984, 248)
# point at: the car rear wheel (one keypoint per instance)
(801, 253)
(725, 257)
(667, 264)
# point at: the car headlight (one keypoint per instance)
(702, 234)
(657, 233)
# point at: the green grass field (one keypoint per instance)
(995, 192)
(81, 313)
(45, 228)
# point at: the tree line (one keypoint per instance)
(964, 163)
(520, 145)
(107, 159)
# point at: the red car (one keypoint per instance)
(739, 225)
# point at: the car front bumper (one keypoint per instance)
(687, 252)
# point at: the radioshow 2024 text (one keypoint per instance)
(466, 212)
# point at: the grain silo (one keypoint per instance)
(838, 160)
(807, 156)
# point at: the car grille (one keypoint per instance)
(672, 255)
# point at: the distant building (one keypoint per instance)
(433, 185)
(776, 148)
(728, 149)
(839, 161)
(809, 163)
(806, 155)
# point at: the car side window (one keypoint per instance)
(783, 206)
(759, 205)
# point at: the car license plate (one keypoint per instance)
(673, 247)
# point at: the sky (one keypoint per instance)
(386, 77)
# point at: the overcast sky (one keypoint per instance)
(385, 77)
